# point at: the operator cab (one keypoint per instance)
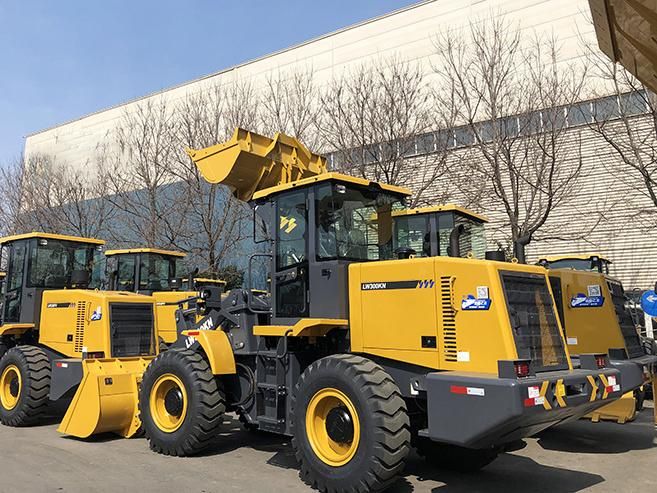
(443, 230)
(319, 226)
(37, 262)
(144, 270)
(590, 262)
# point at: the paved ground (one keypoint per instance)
(581, 456)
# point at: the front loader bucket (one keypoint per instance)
(249, 162)
(107, 398)
(621, 410)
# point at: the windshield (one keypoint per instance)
(413, 232)
(590, 265)
(354, 223)
(53, 263)
(155, 272)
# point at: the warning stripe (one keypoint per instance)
(544, 389)
(594, 388)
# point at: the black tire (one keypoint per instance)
(384, 439)
(453, 457)
(34, 391)
(3, 349)
(205, 403)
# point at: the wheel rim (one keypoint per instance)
(332, 427)
(10, 387)
(168, 403)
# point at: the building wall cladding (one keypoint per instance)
(409, 34)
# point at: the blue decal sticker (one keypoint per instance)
(472, 303)
(97, 314)
(649, 303)
(583, 301)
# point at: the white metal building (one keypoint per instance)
(409, 34)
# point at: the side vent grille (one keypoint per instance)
(79, 326)
(449, 319)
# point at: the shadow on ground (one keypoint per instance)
(601, 438)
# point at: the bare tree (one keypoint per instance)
(151, 204)
(372, 117)
(45, 195)
(626, 119)
(13, 181)
(290, 104)
(216, 215)
(513, 99)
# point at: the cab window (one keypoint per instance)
(155, 272)
(126, 273)
(413, 232)
(354, 223)
(292, 218)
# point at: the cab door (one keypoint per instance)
(290, 282)
(15, 283)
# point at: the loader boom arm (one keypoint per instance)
(626, 31)
(249, 162)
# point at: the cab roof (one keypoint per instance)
(338, 177)
(50, 236)
(442, 208)
(159, 251)
(574, 256)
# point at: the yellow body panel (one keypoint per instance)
(392, 322)
(65, 323)
(217, 348)
(165, 315)
(14, 329)
(306, 327)
(107, 398)
(51, 236)
(159, 251)
(588, 329)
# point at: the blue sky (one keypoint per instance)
(61, 59)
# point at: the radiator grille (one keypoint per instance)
(630, 335)
(131, 329)
(79, 326)
(450, 349)
(533, 320)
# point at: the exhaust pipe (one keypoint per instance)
(454, 236)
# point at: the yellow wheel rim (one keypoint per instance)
(330, 451)
(10, 387)
(168, 403)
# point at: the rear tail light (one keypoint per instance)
(601, 360)
(522, 368)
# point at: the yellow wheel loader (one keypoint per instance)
(157, 273)
(593, 312)
(590, 325)
(356, 354)
(61, 338)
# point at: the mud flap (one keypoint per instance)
(621, 410)
(107, 398)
